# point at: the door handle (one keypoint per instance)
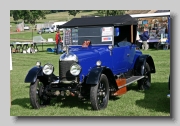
(127, 54)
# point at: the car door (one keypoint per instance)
(119, 57)
(130, 54)
(123, 56)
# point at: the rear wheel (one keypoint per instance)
(145, 82)
(37, 94)
(99, 94)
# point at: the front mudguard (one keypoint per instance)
(33, 74)
(140, 65)
(94, 75)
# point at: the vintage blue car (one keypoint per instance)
(100, 60)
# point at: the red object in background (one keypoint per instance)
(57, 37)
(18, 30)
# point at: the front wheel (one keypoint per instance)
(38, 98)
(99, 94)
(145, 82)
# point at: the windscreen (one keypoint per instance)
(97, 35)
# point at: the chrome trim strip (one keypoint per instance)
(131, 82)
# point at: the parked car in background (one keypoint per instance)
(49, 30)
(56, 25)
(26, 27)
(100, 60)
(42, 30)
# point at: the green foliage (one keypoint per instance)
(111, 12)
(16, 14)
(73, 12)
(61, 15)
(11, 11)
(29, 16)
(55, 11)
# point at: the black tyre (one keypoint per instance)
(38, 98)
(145, 82)
(99, 94)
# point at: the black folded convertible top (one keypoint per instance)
(101, 21)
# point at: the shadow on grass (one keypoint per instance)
(28, 86)
(114, 98)
(23, 102)
(71, 102)
(155, 98)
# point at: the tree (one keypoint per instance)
(11, 13)
(29, 16)
(16, 14)
(111, 12)
(36, 15)
(73, 12)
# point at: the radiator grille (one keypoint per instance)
(64, 71)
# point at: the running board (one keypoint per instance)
(131, 80)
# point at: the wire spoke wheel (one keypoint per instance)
(145, 82)
(38, 97)
(99, 94)
(39, 93)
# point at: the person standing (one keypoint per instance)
(58, 42)
(144, 37)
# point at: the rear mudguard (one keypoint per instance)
(140, 65)
(95, 74)
(32, 74)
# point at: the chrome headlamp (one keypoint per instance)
(75, 69)
(48, 69)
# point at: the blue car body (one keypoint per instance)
(120, 61)
(100, 59)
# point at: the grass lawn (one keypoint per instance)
(29, 35)
(152, 102)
